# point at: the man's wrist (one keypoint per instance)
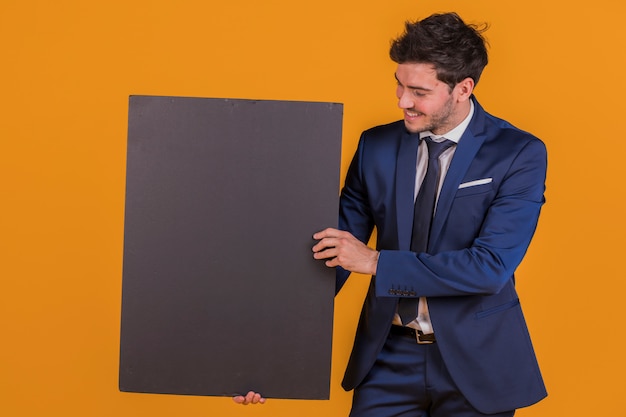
(375, 262)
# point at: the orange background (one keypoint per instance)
(68, 67)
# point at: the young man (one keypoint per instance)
(454, 194)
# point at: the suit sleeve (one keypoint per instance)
(354, 211)
(486, 264)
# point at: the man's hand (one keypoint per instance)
(343, 249)
(250, 398)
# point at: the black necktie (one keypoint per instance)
(423, 216)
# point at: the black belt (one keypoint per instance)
(417, 335)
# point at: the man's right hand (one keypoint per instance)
(250, 398)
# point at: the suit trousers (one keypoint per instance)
(411, 380)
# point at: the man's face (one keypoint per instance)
(428, 103)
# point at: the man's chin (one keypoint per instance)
(414, 127)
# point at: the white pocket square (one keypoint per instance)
(475, 183)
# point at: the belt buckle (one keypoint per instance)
(424, 338)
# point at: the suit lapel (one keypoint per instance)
(468, 147)
(405, 188)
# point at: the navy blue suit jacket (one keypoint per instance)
(485, 218)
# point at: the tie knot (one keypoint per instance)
(435, 149)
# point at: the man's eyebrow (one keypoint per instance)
(412, 87)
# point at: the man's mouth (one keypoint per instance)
(410, 113)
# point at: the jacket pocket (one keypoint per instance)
(476, 189)
(497, 309)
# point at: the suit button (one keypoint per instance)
(412, 293)
(405, 293)
(392, 292)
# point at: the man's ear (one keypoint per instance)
(464, 89)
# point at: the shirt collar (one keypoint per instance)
(455, 134)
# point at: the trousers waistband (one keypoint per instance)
(417, 335)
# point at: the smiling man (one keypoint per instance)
(455, 195)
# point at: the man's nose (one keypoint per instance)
(404, 100)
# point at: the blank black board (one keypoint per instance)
(220, 291)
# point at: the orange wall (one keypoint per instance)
(68, 66)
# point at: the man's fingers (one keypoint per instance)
(250, 398)
(325, 243)
(322, 251)
(257, 399)
(332, 262)
(324, 233)
(329, 232)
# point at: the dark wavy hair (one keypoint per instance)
(456, 49)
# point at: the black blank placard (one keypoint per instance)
(220, 292)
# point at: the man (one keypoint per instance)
(441, 332)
